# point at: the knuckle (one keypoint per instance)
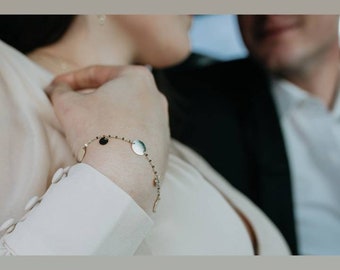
(93, 72)
(61, 100)
(164, 101)
(56, 94)
(142, 72)
(93, 69)
(140, 81)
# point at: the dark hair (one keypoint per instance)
(28, 32)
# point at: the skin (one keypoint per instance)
(123, 100)
(303, 49)
(140, 111)
(159, 41)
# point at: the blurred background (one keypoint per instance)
(218, 36)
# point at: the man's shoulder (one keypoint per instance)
(202, 72)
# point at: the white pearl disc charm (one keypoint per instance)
(138, 147)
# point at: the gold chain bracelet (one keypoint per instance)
(138, 147)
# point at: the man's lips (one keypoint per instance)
(274, 29)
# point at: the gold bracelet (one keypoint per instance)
(138, 147)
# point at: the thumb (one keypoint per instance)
(89, 77)
(57, 91)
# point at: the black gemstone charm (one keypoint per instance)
(103, 140)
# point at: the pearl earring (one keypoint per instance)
(101, 19)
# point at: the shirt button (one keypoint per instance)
(31, 203)
(66, 169)
(7, 224)
(24, 217)
(11, 228)
(57, 176)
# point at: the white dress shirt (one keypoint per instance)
(312, 139)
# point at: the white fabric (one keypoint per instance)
(312, 139)
(267, 235)
(64, 222)
(85, 213)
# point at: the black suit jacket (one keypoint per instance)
(226, 113)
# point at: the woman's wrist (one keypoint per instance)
(131, 172)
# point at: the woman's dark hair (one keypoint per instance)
(28, 32)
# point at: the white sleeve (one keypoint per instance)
(85, 213)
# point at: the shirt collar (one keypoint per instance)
(288, 96)
(336, 107)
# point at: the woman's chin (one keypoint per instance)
(171, 59)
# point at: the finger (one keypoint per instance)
(90, 77)
(56, 90)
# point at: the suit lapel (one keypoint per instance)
(259, 164)
(271, 181)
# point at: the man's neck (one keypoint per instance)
(320, 78)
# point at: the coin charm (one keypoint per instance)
(138, 147)
(103, 140)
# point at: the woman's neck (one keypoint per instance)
(85, 43)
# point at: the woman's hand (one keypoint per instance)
(121, 101)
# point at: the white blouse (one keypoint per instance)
(78, 211)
